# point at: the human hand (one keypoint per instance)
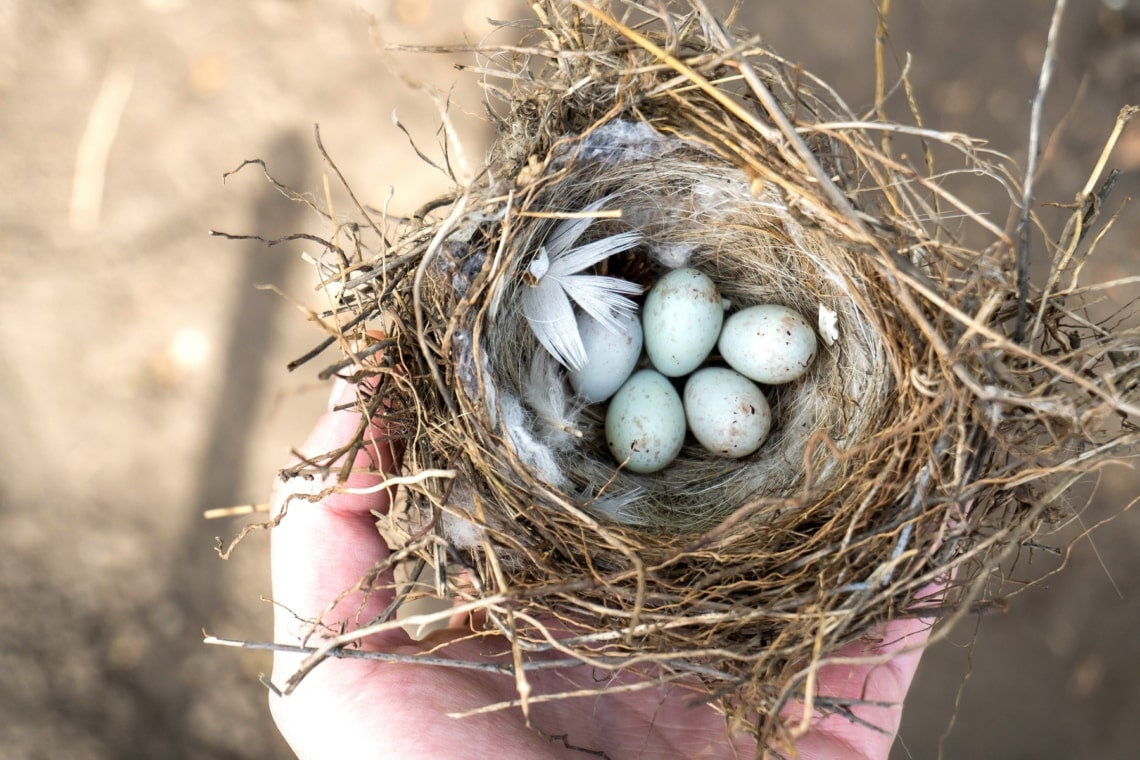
(367, 708)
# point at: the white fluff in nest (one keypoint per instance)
(457, 529)
(548, 424)
(535, 453)
(465, 532)
(618, 142)
(555, 408)
(618, 507)
(674, 255)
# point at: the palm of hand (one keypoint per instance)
(364, 708)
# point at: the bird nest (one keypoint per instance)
(950, 405)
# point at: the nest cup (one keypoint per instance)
(694, 209)
(938, 424)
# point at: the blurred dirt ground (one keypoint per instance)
(142, 373)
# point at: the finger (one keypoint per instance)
(320, 550)
(892, 659)
(886, 683)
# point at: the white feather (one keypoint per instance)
(551, 319)
(618, 507)
(600, 297)
(569, 261)
(556, 272)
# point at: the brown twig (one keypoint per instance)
(1036, 115)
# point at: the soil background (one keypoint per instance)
(142, 370)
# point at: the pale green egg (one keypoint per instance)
(645, 422)
(769, 343)
(681, 318)
(727, 413)
(611, 355)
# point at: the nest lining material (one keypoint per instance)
(925, 441)
(692, 209)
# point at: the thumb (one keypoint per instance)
(322, 549)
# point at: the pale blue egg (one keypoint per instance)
(769, 343)
(726, 411)
(611, 355)
(681, 318)
(645, 422)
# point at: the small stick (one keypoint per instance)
(610, 214)
(1126, 114)
(270, 242)
(360, 654)
(352, 359)
(320, 347)
(344, 184)
(401, 480)
(1031, 170)
(445, 229)
(509, 704)
(880, 71)
(234, 511)
(281, 187)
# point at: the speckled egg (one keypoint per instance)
(727, 413)
(770, 344)
(681, 318)
(645, 422)
(611, 356)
